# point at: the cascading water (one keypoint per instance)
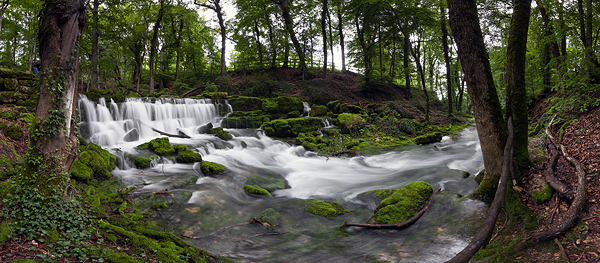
(207, 207)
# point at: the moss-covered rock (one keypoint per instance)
(213, 95)
(255, 190)
(11, 84)
(268, 183)
(210, 168)
(282, 105)
(141, 162)
(161, 146)
(291, 127)
(27, 117)
(80, 171)
(325, 209)
(100, 161)
(9, 160)
(318, 110)
(188, 156)
(429, 138)
(222, 134)
(351, 123)
(243, 103)
(15, 74)
(13, 131)
(9, 115)
(402, 204)
(539, 197)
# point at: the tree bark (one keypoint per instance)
(153, 45)
(446, 58)
(485, 233)
(324, 33)
(341, 34)
(516, 90)
(330, 40)
(284, 5)
(54, 147)
(95, 49)
(487, 110)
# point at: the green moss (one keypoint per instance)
(255, 190)
(291, 127)
(80, 171)
(325, 209)
(318, 110)
(219, 132)
(243, 103)
(188, 156)
(210, 168)
(161, 205)
(100, 161)
(142, 162)
(13, 131)
(9, 115)
(384, 193)
(5, 232)
(27, 117)
(540, 197)
(161, 146)
(517, 211)
(269, 183)
(351, 123)
(541, 157)
(497, 251)
(145, 145)
(429, 138)
(402, 204)
(282, 105)
(357, 144)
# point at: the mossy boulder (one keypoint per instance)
(268, 183)
(291, 127)
(15, 74)
(243, 103)
(402, 203)
(255, 190)
(98, 160)
(188, 156)
(9, 115)
(9, 160)
(429, 138)
(220, 133)
(27, 117)
(325, 209)
(13, 131)
(161, 146)
(141, 162)
(81, 172)
(282, 105)
(318, 110)
(350, 108)
(351, 123)
(210, 168)
(541, 196)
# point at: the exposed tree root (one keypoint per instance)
(561, 188)
(485, 233)
(400, 225)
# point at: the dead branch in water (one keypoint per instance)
(400, 225)
(254, 220)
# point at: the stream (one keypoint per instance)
(206, 207)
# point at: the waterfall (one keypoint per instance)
(306, 112)
(107, 124)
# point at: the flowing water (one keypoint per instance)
(208, 206)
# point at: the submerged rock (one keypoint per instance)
(400, 204)
(326, 209)
(255, 190)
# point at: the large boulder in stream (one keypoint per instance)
(398, 205)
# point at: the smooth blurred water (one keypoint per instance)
(210, 204)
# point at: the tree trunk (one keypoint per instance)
(516, 90)
(330, 40)
(324, 32)
(54, 148)
(406, 58)
(95, 49)
(258, 44)
(284, 5)
(3, 7)
(363, 45)
(446, 58)
(341, 34)
(153, 45)
(487, 110)
(416, 55)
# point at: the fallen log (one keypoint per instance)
(180, 134)
(485, 233)
(400, 225)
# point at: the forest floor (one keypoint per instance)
(581, 138)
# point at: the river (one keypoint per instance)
(208, 206)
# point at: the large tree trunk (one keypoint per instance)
(446, 58)
(417, 56)
(330, 40)
(95, 52)
(153, 45)
(341, 34)
(3, 7)
(491, 128)
(516, 104)
(54, 148)
(284, 5)
(406, 62)
(324, 33)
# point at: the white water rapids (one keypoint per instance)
(214, 203)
